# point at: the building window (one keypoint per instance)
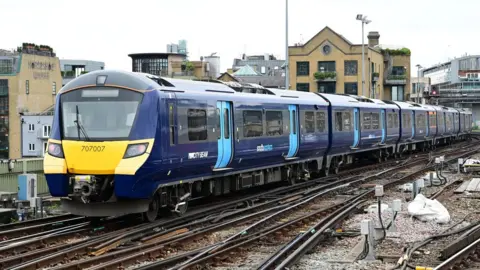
(263, 70)
(398, 70)
(197, 125)
(397, 93)
(303, 68)
(54, 88)
(31, 127)
(252, 124)
(305, 87)
(351, 68)
(31, 147)
(6, 66)
(45, 147)
(274, 123)
(3, 88)
(46, 131)
(27, 87)
(326, 87)
(155, 66)
(351, 88)
(326, 66)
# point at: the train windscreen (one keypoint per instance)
(98, 113)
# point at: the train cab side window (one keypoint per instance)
(172, 124)
(347, 121)
(252, 124)
(197, 125)
(338, 121)
(367, 121)
(274, 123)
(320, 121)
(375, 121)
(309, 122)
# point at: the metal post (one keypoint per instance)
(363, 60)
(418, 85)
(287, 82)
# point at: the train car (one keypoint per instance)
(124, 143)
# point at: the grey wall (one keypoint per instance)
(36, 136)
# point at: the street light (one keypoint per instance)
(418, 82)
(364, 21)
(287, 67)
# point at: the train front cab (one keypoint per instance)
(101, 135)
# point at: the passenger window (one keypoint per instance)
(197, 125)
(226, 126)
(375, 121)
(347, 121)
(338, 121)
(390, 121)
(274, 123)
(252, 124)
(320, 121)
(367, 119)
(395, 120)
(309, 122)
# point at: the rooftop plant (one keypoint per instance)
(402, 51)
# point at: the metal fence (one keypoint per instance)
(9, 174)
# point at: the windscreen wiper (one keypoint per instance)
(80, 127)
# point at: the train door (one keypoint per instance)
(294, 136)
(356, 127)
(224, 140)
(172, 119)
(383, 124)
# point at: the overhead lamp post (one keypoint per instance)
(418, 83)
(286, 47)
(364, 21)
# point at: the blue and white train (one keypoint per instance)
(126, 142)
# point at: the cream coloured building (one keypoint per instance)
(29, 81)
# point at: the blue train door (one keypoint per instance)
(294, 138)
(384, 126)
(356, 128)
(224, 141)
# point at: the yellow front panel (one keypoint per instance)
(87, 157)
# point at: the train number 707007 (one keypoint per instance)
(92, 148)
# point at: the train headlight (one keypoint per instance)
(55, 149)
(134, 150)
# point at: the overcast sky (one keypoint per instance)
(107, 30)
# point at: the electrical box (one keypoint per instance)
(397, 205)
(421, 183)
(442, 158)
(365, 227)
(378, 190)
(460, 161)
(437, 160)
(27, 187)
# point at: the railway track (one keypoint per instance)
(101, 251)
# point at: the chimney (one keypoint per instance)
(373, 39)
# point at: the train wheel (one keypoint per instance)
(152, 212)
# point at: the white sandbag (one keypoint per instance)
(428, 210)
